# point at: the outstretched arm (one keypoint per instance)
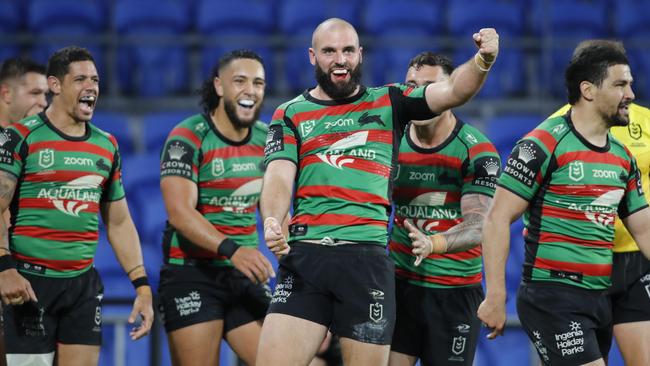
(275, 201)
(467, 79)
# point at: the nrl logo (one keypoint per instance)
(458, 345)
(218, 167)
(634, 129)
(307, 127)
(376, 312)
(576, 171)
(46, 158)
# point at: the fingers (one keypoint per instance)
(412, 229)
(144, 327)
(269, 267)
(31, 295)
(418, 260)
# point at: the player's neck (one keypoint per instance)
(63, 122)
(434, 134)
(320, 94)
(5, 118)
(226, 127)
(590, 124)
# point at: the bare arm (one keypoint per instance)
(125, 242)
(637, 225)
(274, 204)
(467, 79)
(506, 208)
(180, 197)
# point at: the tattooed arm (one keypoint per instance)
(14, 288)
(459, 238)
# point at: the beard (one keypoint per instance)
(338, 90)
(231, 112)
(618, 119)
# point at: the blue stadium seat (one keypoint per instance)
(11, 17)
(149, 68)
(507, 76)
(139, 174)
(233, 24)
(118, 125)
(66, 18)
(298, 19)
(401, 29)
(157, 126)
(505, 130)
(466, 17)
(630, 19)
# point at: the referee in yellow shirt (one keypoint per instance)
(630, 291)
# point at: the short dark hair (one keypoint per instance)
(59, 63)
(209, 98)
(16, 67)
(432, 59)
(590, 62)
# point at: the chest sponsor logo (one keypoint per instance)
(334, 155)
(525, 162)
(420, 176)
(217, 167)
(635, 131)
(576, 171)
(46, 158)
(341, 122)
(243, 167)
(240, 199)
(367, 119)
(306, 127)
(601, 210)
(72, 198)
(70, 160)
(604, 173)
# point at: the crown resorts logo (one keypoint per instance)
(491, 167)
(4, 138)
(176, 151)
(526, 153)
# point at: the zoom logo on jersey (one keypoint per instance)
(341, 122)
(69, 160)
(524, 162)
(177, 159)
(334, 155)
(70, 198)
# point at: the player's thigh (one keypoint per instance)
(77, 354)
(244, 340)
(356, 353)
(632, 339)
(401, 359)
(288, 340)
(196, 344)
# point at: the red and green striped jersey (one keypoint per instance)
(62, 180)
(574, 190)
(428, 188)
(345, 151)
(228, 175)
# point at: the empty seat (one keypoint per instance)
(118, 125)
(157, 126)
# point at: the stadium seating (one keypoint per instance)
(631, 25)
(119, 126)
(233, 24)
(67, 23)
(11, 22)
(505, 130)
(157, 126)
(149, 68)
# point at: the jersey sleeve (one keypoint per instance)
(281, 139)
(482, 170)
(114, 190)
(12, 148)
(633, 199)
(525, 168)
(410, 103)
(180, 155)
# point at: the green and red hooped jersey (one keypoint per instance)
(429, 185)
(62, 180)
(345, 151)
(575, 190)
(228, 175)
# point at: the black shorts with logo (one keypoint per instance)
(68, 311)
(349, 288)
(567, 325)
(437, 325)
(191, 295)
(630, 291)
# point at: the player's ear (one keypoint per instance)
(218, 87)
(587, 90)
(54, 84)
(312, 56)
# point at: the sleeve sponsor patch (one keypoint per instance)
(525, 161)
(274, 140)
(177, 159)
(9, 140)
(486, 171)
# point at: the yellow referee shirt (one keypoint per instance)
(636, 137)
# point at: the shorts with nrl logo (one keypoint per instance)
(68, 311)
(348, 288)
(567, 325)
(193, 294)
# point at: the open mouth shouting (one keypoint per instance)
(340, 74)
(87, 103)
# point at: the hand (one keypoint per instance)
(142, 306)
(422, 245)
(253, 264)
(15, 289)
(492, 313)
(487, 41)
(275, 240)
